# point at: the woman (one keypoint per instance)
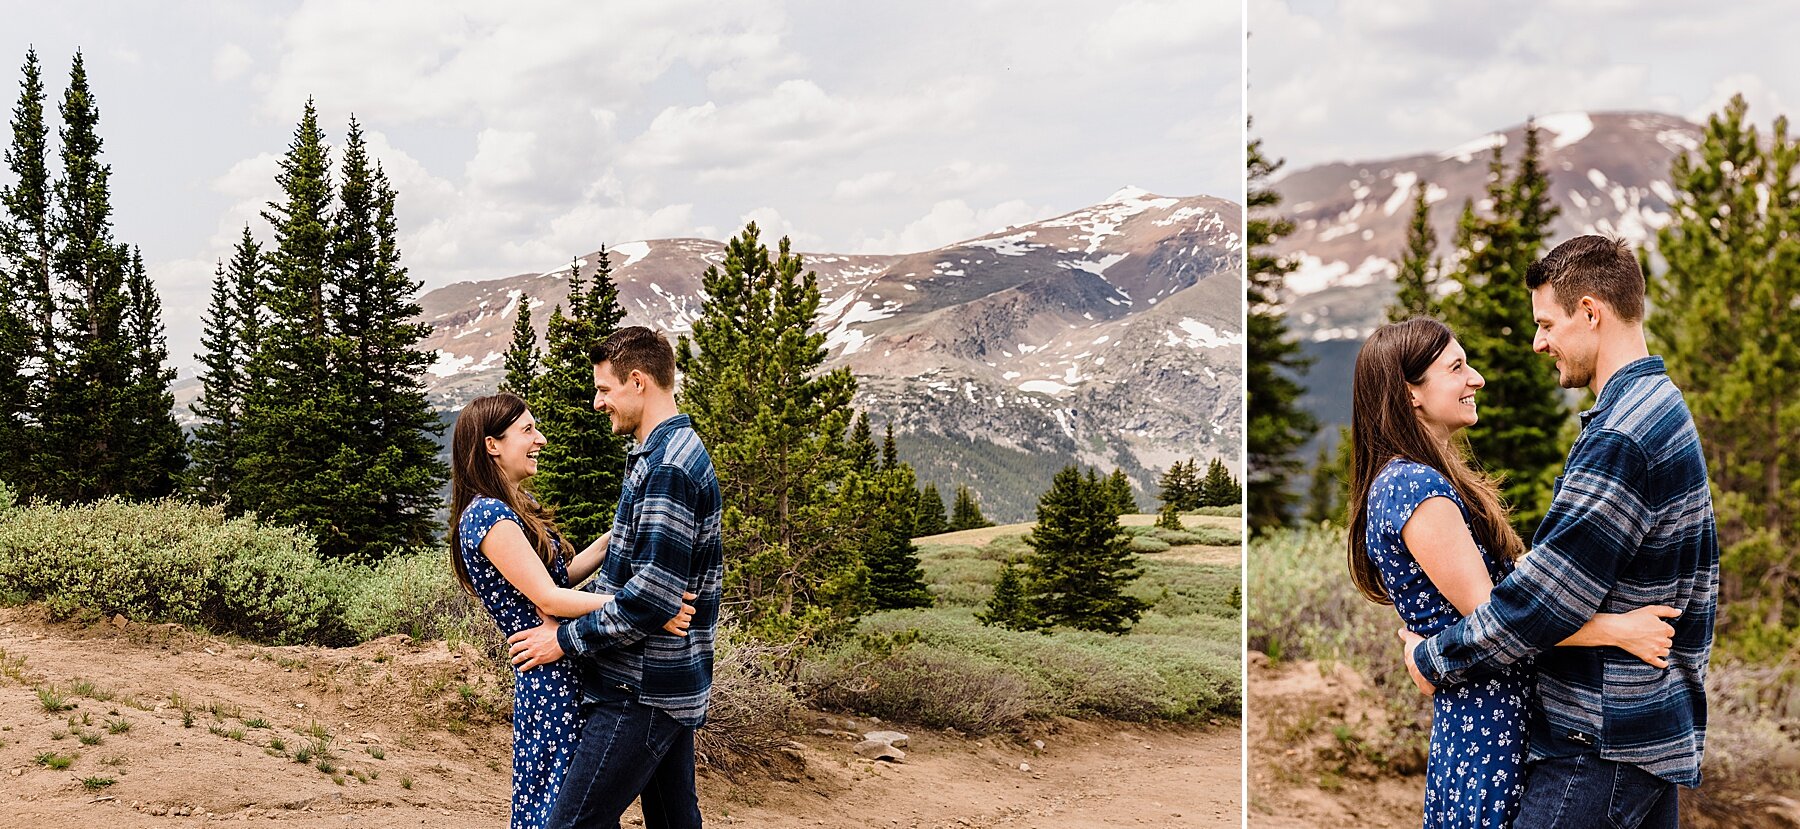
(507, 552)
(1429, 535)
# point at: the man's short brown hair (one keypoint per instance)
(638, 349)
(1602, 267)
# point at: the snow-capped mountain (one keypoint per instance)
(1109, 336)
(1609, 173)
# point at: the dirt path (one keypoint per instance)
(169, 728)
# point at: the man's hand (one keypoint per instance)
(1408, 641)
(679, 624)
(535, 646)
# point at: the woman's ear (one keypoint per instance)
(493, 446)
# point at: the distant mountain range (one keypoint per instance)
(1609, 173)
(1110, 336)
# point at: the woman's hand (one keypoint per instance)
(679, 624)
(1643, 633)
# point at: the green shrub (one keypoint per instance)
(1230, 510)
(1149, 544)
(959, 673)
(1178, 538)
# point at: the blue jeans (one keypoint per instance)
(628, 748)
(1587, 792)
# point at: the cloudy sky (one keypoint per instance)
(519, 135)
(1345, 81)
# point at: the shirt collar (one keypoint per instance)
(659, 435)
(1615, 385)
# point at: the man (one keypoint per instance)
(645, 691)
(1630, 524)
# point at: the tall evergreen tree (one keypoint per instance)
(1179, 485)
(774, 425)
(1119, 487)
(895, 577)
(862, 444)
(1726, 316)
(966, 513)
(1325, 495)
(522, 358)
(1218, 488)
(890, 454)
(1277, 426)
(153, 451)
(383, 479)
(1417, 274)
(583, 464)
(293, 402)
(1491, 315)
(84, 434)
(1081, 562)
(27, 308)
(929, 513)
(228, 337)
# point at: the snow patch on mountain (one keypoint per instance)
(1569, 127)
(632, 251)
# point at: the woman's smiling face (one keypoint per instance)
(1444, 399)
(516, 450)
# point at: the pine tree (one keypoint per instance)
(862, 444)
(294, 401)
(929, 514)
(1325, 493)
(228, 337)
(966, 514)
(383, 479)
(84, 431)
(1081, 562)
(1119, 486)
(522, 357)
(890, 454)
(1218, 488)
(1180, 486)
(1726, 317)
(153, 450)
(774, 425)
(1417, 274)
(1491, 315)
(1276, 426)
(1008, 607)
(1168, 518)
(27, 333)
(582, 466)
(895, 577)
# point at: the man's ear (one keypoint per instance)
(1591, 309)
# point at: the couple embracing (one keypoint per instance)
(1568, 684)
(605, 703)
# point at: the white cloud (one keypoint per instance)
(796, 123)
(231, 62)
(952, 220)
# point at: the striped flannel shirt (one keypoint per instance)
(665, 540)
(1630, 524)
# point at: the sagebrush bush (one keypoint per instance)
(1230, 511)
(1149, 544)
(752, 710)
(976, 678)
(175, 562)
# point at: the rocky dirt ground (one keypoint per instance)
(156, 726)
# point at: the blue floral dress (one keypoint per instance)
(1474, 777)
(546, 722)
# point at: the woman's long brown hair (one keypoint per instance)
(473, 472)
(1383, 427)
